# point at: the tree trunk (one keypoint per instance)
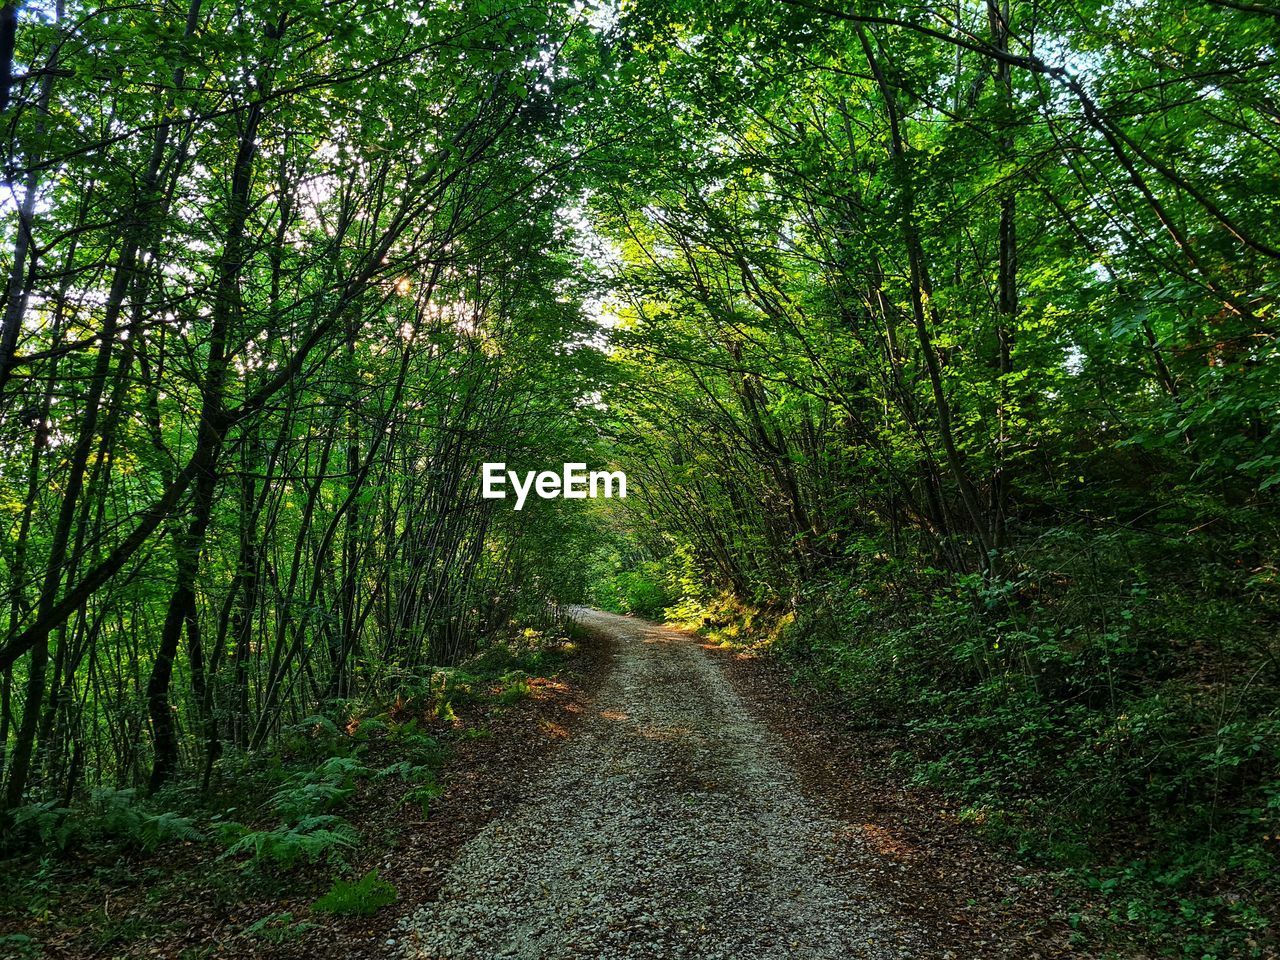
(181, 610)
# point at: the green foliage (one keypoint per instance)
(644, 591)
(945, 340)
(19, 946)
(318, 736)
(318, 790)
(309, 831)
(117, 816)
(426, 791)
(369, 727)
(1073, 739)
(164, 828)
(277, 928)
(309, 840)
(513, 688)
(48, 822)
(528, 650)
(454, 687)
(330, 163)
(419, 747)
(363, 897)
(405, 770)
(36, 890)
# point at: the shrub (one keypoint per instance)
(167, 827)
(513, 689)
(314, 791)
(116, 815)
(48, 822)
(318, 736)
(643, 591)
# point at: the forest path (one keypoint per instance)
(669, 825)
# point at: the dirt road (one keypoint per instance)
(669, 825)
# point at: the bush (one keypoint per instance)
(316, 737)
(48, 822)
(314, 791)
(644, 591)
(111, 815)
(309, 832)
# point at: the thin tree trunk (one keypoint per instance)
(181, 610)
(923, 311)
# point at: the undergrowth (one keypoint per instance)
(295, 817)
(1058, 710)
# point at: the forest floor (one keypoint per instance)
(652, 796)
(187, 902)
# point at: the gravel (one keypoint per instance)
(669, 825)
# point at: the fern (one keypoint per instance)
(228, 832)
(111, 814)
(117, 811)
(403, 731)
(346, 768)
(308, 831)
(368, 728)
(278, 928)
(302, 800)
(165, 828)
(425, 748)
(316, 726)
(415, 742)
(48, 821)
(317, 734)
(120, 815)
(424, 794)
(364, 897)
(319, 790)
(515, 687)
(286, 846)
(406, 771)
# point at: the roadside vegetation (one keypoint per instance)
(280, 842)
(279, 277)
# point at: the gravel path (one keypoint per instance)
(667, 826)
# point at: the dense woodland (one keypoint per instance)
(938, 343)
